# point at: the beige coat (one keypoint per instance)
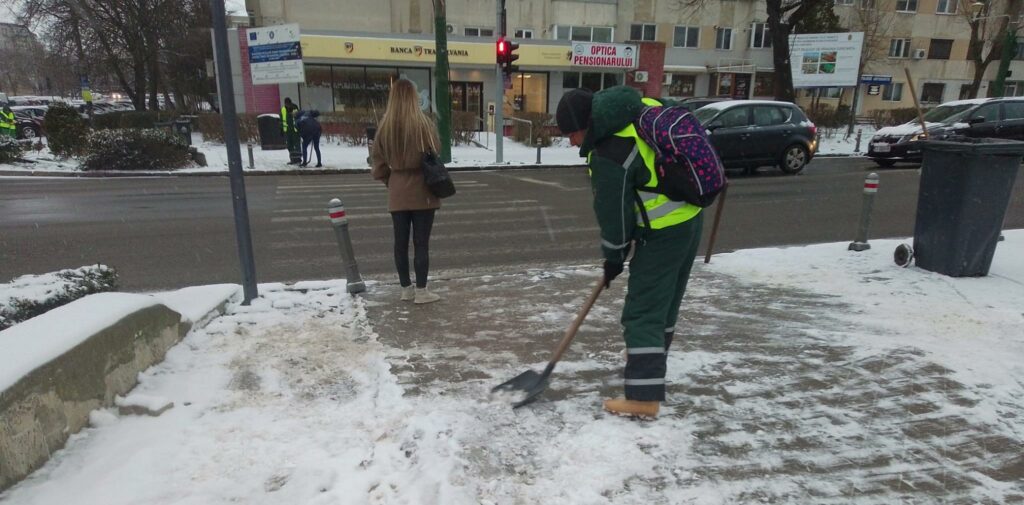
(404, 179)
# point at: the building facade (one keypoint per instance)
(352, 49)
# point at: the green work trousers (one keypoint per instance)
(658, 274)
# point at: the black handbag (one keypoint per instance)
(436, 176)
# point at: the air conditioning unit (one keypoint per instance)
(450, 29)
(640, 76)
(667, 80)
(918, 54)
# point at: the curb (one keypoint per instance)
(330, 171)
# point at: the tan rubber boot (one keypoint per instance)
(408, 293)
(423, 296)
(624, 407)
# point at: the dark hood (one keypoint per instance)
(613, 109)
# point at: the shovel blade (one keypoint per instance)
(523, 388)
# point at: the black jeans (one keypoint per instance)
(421, 222)
(315, 140)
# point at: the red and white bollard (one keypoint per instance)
(870, 189)
(336, 211)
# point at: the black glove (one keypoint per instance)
(612, 270)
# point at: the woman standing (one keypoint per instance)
(403, 136)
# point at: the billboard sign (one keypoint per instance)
(825, 59)
(595, 54)
(275, 54)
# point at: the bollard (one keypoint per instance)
(870, 188)
(339, 221)
(252, 164)
(538, 150)
(856, 148)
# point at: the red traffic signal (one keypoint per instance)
(505, 50)
(502, 51)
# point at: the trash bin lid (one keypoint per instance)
(975, 146)
(275, 116)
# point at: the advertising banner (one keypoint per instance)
(275, 54)
(825, 59)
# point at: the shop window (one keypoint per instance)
(612, 80)
(316, 94)
(899, 48)
(523, 34)
(686, 36)
(479, 32)
(682, 85)
(759, 36)
(570, 80)
(646, 32)
(529, 93)
(723, 38)
(378, 86)
(724, 85)
(591, 81)
(764, 85)
(348, 88)
(931, 92)
(939, 49)
(892, 92)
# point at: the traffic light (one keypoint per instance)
(505, 52)
(511, 57)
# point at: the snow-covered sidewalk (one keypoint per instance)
(799, 375)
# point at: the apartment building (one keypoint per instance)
(931, 39)
(352, 49)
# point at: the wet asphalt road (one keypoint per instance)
(167, 232)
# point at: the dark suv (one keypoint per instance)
(752, 133)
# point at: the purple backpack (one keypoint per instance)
(688, 167)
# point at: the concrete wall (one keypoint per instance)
(40, 412)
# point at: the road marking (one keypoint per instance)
(346, 185)
(291, 244)
(544, 183)
(547, 223)
(307, 219)
(379, 207)
(444, 223)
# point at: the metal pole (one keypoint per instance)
(243, 234)
(856, 148)
(336, 211)
(499, 95)
(538, 150)
(870, 188)
(252, 162)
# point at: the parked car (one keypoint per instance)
(26, 127)
(752, 133)
(695, 103)
(899, 143)
(1001, 118)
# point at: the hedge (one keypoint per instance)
(10, 149)
(130, 149)
(31, 295)
(66, 131)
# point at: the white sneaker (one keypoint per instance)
(408, 293)
(424, 296)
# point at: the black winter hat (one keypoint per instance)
(573, 113)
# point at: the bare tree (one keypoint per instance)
(988, 30)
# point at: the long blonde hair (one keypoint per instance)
(405, 127)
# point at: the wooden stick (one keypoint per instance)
(714, 227)
(913, 94)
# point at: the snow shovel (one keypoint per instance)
(527, 386)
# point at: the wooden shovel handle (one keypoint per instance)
(571, 332)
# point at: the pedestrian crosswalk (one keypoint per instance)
(493, 223)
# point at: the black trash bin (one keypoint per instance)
(962, 199)
(271, 136)
(183, 128)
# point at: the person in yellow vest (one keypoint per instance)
(662, 234)
(8, 125)
(291, 133)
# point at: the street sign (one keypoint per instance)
(875, 79)
(275, 54)
(874, 89)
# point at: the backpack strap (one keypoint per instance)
(636, 194)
